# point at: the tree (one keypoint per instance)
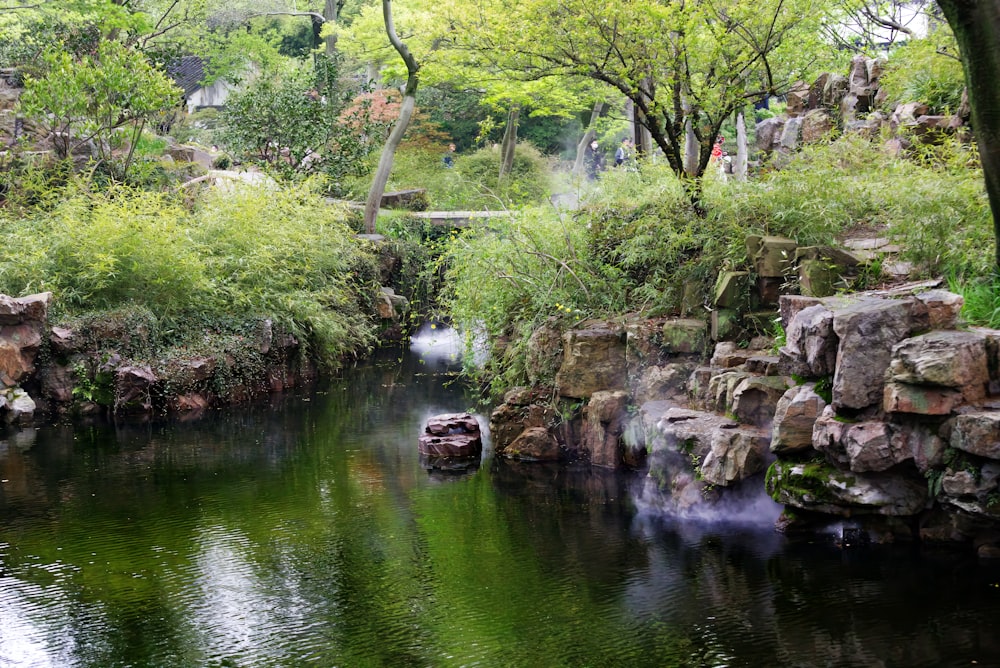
(90, 99)
(405, 112)
(681, 64)
(976, 24)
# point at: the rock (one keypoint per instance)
(722, 390)
(132, 388)
(931, 130)
(58, 382)
(859, 446)
(907, 114)
(508, 421)
(867, 331)
(643, 341)
(533, 444)
(810, 348)
(794, 417)
(735, 454)
(19, 406)
(817, 125)
(728, 355)
(797, 98)
(772, 256)
(858, 78)
(63, 341)
(663, 382)
(593, 359)
(603, 427)
(921, 441)
(765, 365)
(689, 432)
(819, 487)
(725, 324)
(732, 290)
(937, 309)
(391, 306)
(947, 358)
(790, 135)
(919, 399)
(451, 435)
(834, 91)
(789, 305)
(769, 132)
(19, 345)
(685, 336)
(18, 310)
(977, 433)
(414, 199)
(756, 398)
(545, 351)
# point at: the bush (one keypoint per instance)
(529, 181)
(926, 70)
(236, 256)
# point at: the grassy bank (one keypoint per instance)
(637, 246)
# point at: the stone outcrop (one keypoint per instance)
(452, 435)
(911, 431)
(836, 103)
(593, 360)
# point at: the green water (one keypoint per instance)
(304, 532)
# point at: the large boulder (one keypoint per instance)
(523, 408)
(669, 381)
(19, 345)
(604, 423)
(133, 386)
(735, 454)
(977, 433)
(951, 359)
(860, 446)
(810, 348)
(451, 435)
(794, 417)
(817, 125)
(593, 360)
(819, 487)
(535, 444)
(867, 331)
(756, 398)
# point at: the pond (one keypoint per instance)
(304, 532)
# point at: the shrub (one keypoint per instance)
(926, 70)
(236, 256)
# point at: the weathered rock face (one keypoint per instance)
(794, 417)
(735, 454)
(820, 487)
(535, 444)
(593, 360)
(455, 435)
(22, 326)
(603, 426)
(867, 330)
(810, 350)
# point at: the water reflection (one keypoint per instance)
(308, 532)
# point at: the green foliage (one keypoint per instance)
(982, 299)
(926, 70)
(527, 183)
(90, 98)
(472, 184)
(293, 123)
(936, 209)
(238, 255)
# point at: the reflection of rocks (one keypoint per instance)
(453, 435)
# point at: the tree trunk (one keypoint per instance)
(331, 12)
(740, 165)
(588, 136)
(692, 150)
(398, 130)
(976, 24)
(509, 142)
